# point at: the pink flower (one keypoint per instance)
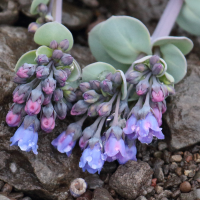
(47, 124)
(33, 108)
(13, 119)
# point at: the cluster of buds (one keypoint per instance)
(146, 116)
(45, 16)
(39, 92)
(96, 97)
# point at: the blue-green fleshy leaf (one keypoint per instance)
(44, 50)
(189, 20)
(53, 31)
(176, 62)
(124, 38)
(99, 52)
(35, 4)
(184, 44)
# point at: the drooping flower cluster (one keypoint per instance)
(39, 91)
(44, 11)
(146, 116)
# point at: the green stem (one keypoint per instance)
(115, 121)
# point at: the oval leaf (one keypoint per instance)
(176, 62)
(124, 38)
(124, 85)
(44, 50)
(99, 52)
(28, 57)
(194, 5)
(189, 21)
(35, 4)
(183, 43)
(92, 71)
(53, 31)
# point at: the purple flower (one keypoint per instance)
(131, 152)
(92, 160)
(147, 128)
(26, 139)
(64, 143)
(130, 125)
(114, 149)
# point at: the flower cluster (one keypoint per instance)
(44, 12)
(39, 92)
(146, 116)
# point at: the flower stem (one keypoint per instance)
(98, 132)
(167, 19)
(115, 121)
(95, 124)
(57, 10)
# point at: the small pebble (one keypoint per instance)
(1, 184)
(176, 193)
(178, 171)
(7, 188)
(186, 172)
(158, 189)
(185, 187)
(162, 146)
(166, 156)
(197, 158)
(158, 154)
(176, 158)
(153, 182)
(26, 198)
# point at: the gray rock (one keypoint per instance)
(172, 181)
(141, 198)
(132, 179)
(162, 146)
(158, 173)
(164, 194)
(182, 118)
(93, 181)
(101, 194)
(9, 12)
(5, 197)
(75, 18)
(14, 42)
(48, 174)
(192, 195)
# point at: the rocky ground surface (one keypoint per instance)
(167, 169)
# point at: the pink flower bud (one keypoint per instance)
(26, 70)
(13, 119)
(49, 85)
(47, 99)
(33, 27)
(47, 124)
(42, 72)
(53, 44)
(33, 108)
(157, 96)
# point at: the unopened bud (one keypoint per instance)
(85, 86)
(60, 76)
(106, 86)
(143, 85)
(95, 85)
(109, 76)
(157, 69)
(57, 55)
(66, 60)
(92, 110)
(32, 28)
(117, 78)
(47, 99)
(42, 8)
(26, 70)
(69, 96)
(153, 60)
(157, 92)
(42, 72)
(141, 67)
(57, 94)
(79, 108)
(142, 113)
(42, 59)
(104, 109)
(64, 45)
(53, 44)
(18, 80)
(91, 96)
(134, 77)
(49, 85)
(61, 109)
